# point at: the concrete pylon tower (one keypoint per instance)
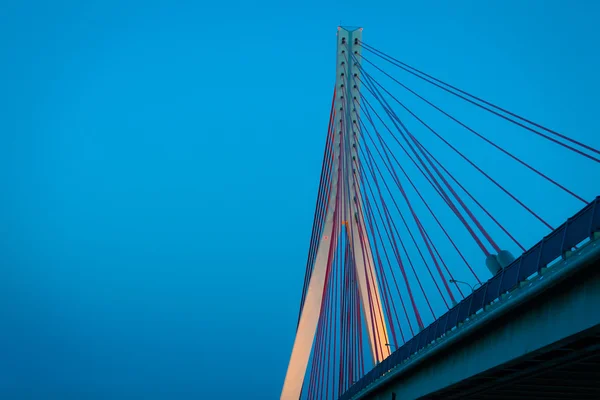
(346, 117)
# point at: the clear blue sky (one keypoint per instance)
(159, 164)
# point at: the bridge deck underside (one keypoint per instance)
(568, 370)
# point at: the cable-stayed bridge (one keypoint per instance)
(418, 284)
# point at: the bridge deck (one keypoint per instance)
(547, 253)
(566, 370)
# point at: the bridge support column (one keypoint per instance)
(344, 178)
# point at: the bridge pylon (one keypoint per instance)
(344, 184)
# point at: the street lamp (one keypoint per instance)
(472, 287)
(390, 345)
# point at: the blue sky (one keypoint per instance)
(159, 163)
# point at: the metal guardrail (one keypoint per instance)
(576, 229)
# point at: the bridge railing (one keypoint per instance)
(575, 230)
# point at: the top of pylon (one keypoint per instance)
(350, 28)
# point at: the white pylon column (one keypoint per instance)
(346, 109)
(363, 257)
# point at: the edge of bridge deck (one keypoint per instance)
(553, 253)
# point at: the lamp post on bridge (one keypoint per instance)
(472, 287)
